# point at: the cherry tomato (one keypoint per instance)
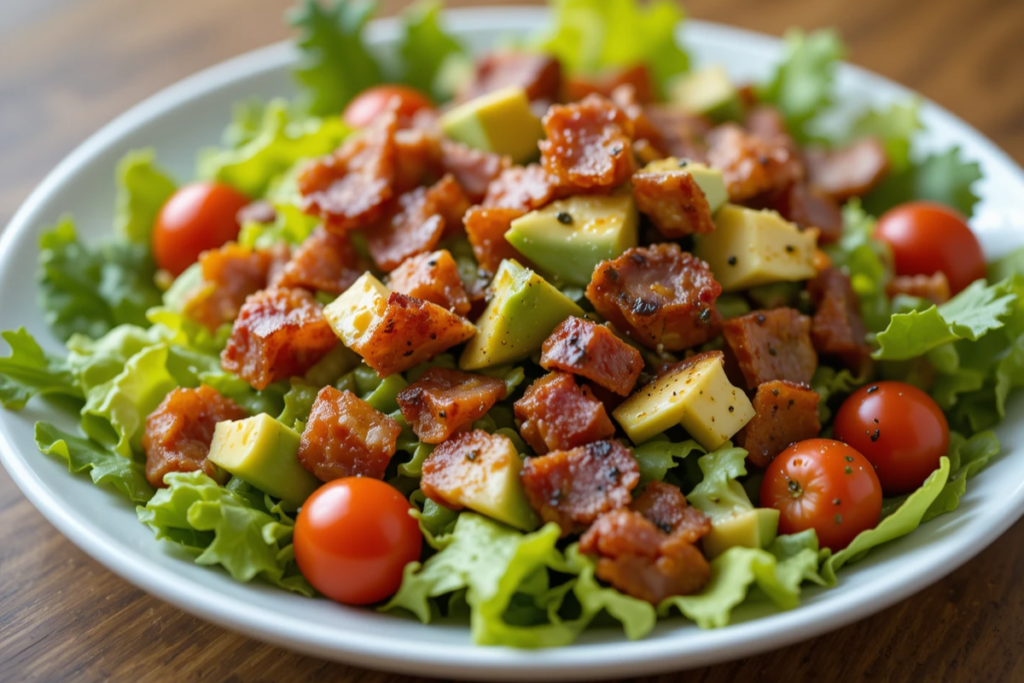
(927, 238)
(374, 101)
(353, 537)
(899, 428)
(197, 217)
(823, 485)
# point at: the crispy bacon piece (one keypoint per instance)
(588, 145)
(432, 277)
(752, 165)
(464, 462)
(350, 188)
(523, 188)
(771, 345)
(574, 487)
(278, 334)
(326, 262)
(538, 74)
(417, 223)
(230, 274)
(640, 560)
(443, 401)
(673, 201)
(665, 506)
(766, 122)
(418, 154)
(648, 143)
(849, 171)
(838, 328)
(808, 207)
(681, 133)
(179, 432)
(473, 169)
(259, 211)
(658, 295)
(592, 351)
(786, 412)
(638, 77)
(347, 437)
(935, 287)
(557, 414)
(486, 230)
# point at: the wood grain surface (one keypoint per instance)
(69, 66)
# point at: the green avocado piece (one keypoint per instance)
(499, 122)
(708, 92)
(567, 239)
(523, 310)
(709, 180)
(263, 452)
(754, 528)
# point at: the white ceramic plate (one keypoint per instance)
(191, 114)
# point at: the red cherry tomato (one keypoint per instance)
(899, 428)
(197, 217)
(374, 101)
(353, 537)
(823, 485)
(927, 238)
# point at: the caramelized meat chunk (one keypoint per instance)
(432, 277)
(443, 401)
(770, 345)
(752, 165)
(350, 188)
(658, 295)
(325, 262)
(665, 506)
(935, 287)
(463, 464)
(230, 274)
(766, 122)
(786, 412)
(588, 145)
(638, 77)
(556, 414)
(574, 487)
(473, 169)
(838, 328)
(808, 207)
(850, 171)
(640, 560)
(673, 201)
(523, 188)
(592, 351)
(681, 133)
(418, 157)
(179, 433)
(538, 74)
(486, 230)
(278, 334)
(347, 437)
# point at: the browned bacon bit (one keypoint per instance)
(665, 506)
(524, 188)
(417, 223)
(486, 230)
(473, 169)
(638, 77)
(347, 437)
(278, 334)
(463, 461)
(770, 345)
(850, 171)
(557, 414)
(443, 401)
(409, 332)
(417, 158)
(592, 351)
(350, 188)
(325, 262)
(766, 122)
(259, 211)
(808, 207)
(538, 74)
(752, 165)
(786, 412)
(640, 560)
(658, 295)
(838, 328)
(935, 287)
(433, 277)
(681, 133)
(588, 145)
(230, 274)
(574, 487)
(179, 432)
(673, 201)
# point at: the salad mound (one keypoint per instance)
(566, 334)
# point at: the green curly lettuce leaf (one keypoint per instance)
(298, 403)
(720, 494)
(967, 457)
(29, 371)
(895, 127)
(425, 47)
(105, 467)
(802, 85)
(142, 190)
(868, 262)
(659, 455)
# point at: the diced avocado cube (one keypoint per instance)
(708, 92)
(696, 395)
(263, 452)
(499, 122)
(568, 238)
(754, 528)
(709, 179)
(748, 248)
(353, 313)
(523, 310)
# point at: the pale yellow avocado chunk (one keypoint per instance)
(569, 238)
(697, 396)
(748, 248)
(499, 122)
(523, 311)
(263, 452)
(709, 92)
(353, 313)
(755, 528)
(708, 179)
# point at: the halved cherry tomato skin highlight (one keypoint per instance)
(899, 428)
(197, 217)
(374, 101)
(927, 237)
(353, 537)
(823, 485)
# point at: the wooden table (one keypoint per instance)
(68, 66)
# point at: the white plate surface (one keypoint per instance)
(191, 114)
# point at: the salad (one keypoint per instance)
(570, 333)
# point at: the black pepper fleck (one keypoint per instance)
(873, 389)
(775, 392)
(839, 519)
(732, 261)
(848, 469)
(849, 458)
(564, 217)
(836, 501)
(874, 437)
